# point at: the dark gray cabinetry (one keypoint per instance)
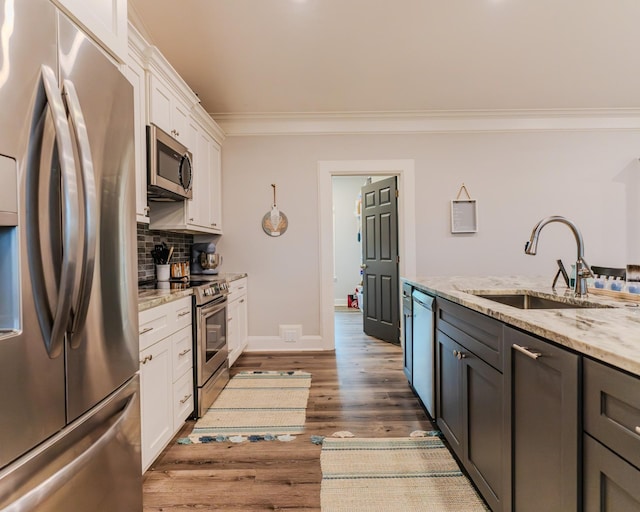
(611, 484)
(407, 315)
(472, 411)
(543, 385)
(612, 439)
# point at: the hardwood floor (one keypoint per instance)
(360, 388)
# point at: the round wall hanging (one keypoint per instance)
(274, 222)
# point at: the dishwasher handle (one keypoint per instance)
(426, 301)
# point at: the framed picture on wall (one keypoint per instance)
(464, 216)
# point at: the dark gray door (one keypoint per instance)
(380, 260)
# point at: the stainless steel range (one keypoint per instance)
(211, 365)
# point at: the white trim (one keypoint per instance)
(405, 170)
(277, 344)
(428, 122)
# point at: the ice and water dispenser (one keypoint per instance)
(9, 262)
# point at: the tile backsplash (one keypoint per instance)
(147, 238)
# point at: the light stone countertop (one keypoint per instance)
(611, 334)
(148, 299)
(151, 298)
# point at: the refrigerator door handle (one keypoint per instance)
(39, 494)
(90, 210)
(54, 330)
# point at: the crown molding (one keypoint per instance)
(444, 121)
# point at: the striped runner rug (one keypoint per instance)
(257, 403)
(383, 475)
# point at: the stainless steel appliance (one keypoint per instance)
(424, 350)
(69, 400)
(211, 365)
(204, 259)
(168, 167)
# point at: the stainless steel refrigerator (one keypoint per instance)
(69, 387)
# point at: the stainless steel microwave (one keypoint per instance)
(169, 173)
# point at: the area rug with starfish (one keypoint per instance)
(408, 474)
(256, 404)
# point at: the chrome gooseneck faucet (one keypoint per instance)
(583, 271)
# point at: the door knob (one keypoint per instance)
(364, 265)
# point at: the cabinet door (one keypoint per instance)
(485, 415)
(243, 323)
(449, 391)
(194, 205)
(160, 104)
(543, 380)
(156, 397)
(215, 186)
(105, 20)
(135, 75)
(233, 333)
(180, 121)
(610, 483)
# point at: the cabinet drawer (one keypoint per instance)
(612, 409)
(162, 321)
(182, 347)
(476, 332)
(237, 288)
(182, 400)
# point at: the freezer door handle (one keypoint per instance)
(39, 494)
(90, 210)
(53, 329)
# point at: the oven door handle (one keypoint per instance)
(206, 311)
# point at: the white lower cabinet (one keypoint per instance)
(156, 400)
(237, 319)
(166, 374)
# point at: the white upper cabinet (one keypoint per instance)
(135, 73)
(202, 213)
(167, 110)
(104, 20)
(170, 99)
(164, 99)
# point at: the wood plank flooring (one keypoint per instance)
(360, 388)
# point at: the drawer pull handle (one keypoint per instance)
(186, 397)
(527, 352)
(145, 331)
(146, 359)
(184, 313)
(638, 430)
(185, 351)
(241, 301)
(230, 318)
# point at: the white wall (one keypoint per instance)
(517, 178)
(347, 249)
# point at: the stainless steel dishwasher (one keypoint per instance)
(423, 349)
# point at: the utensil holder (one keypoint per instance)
(162, 272)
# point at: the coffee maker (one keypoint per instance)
(204, 259)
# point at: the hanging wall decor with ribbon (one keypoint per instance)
(464, 213)
(274, 222)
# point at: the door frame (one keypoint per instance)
(405, 171)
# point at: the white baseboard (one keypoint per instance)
(276, 344)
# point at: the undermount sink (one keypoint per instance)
(530, 301)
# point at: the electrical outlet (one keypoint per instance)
(290, 333)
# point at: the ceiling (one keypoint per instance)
(399, 56)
